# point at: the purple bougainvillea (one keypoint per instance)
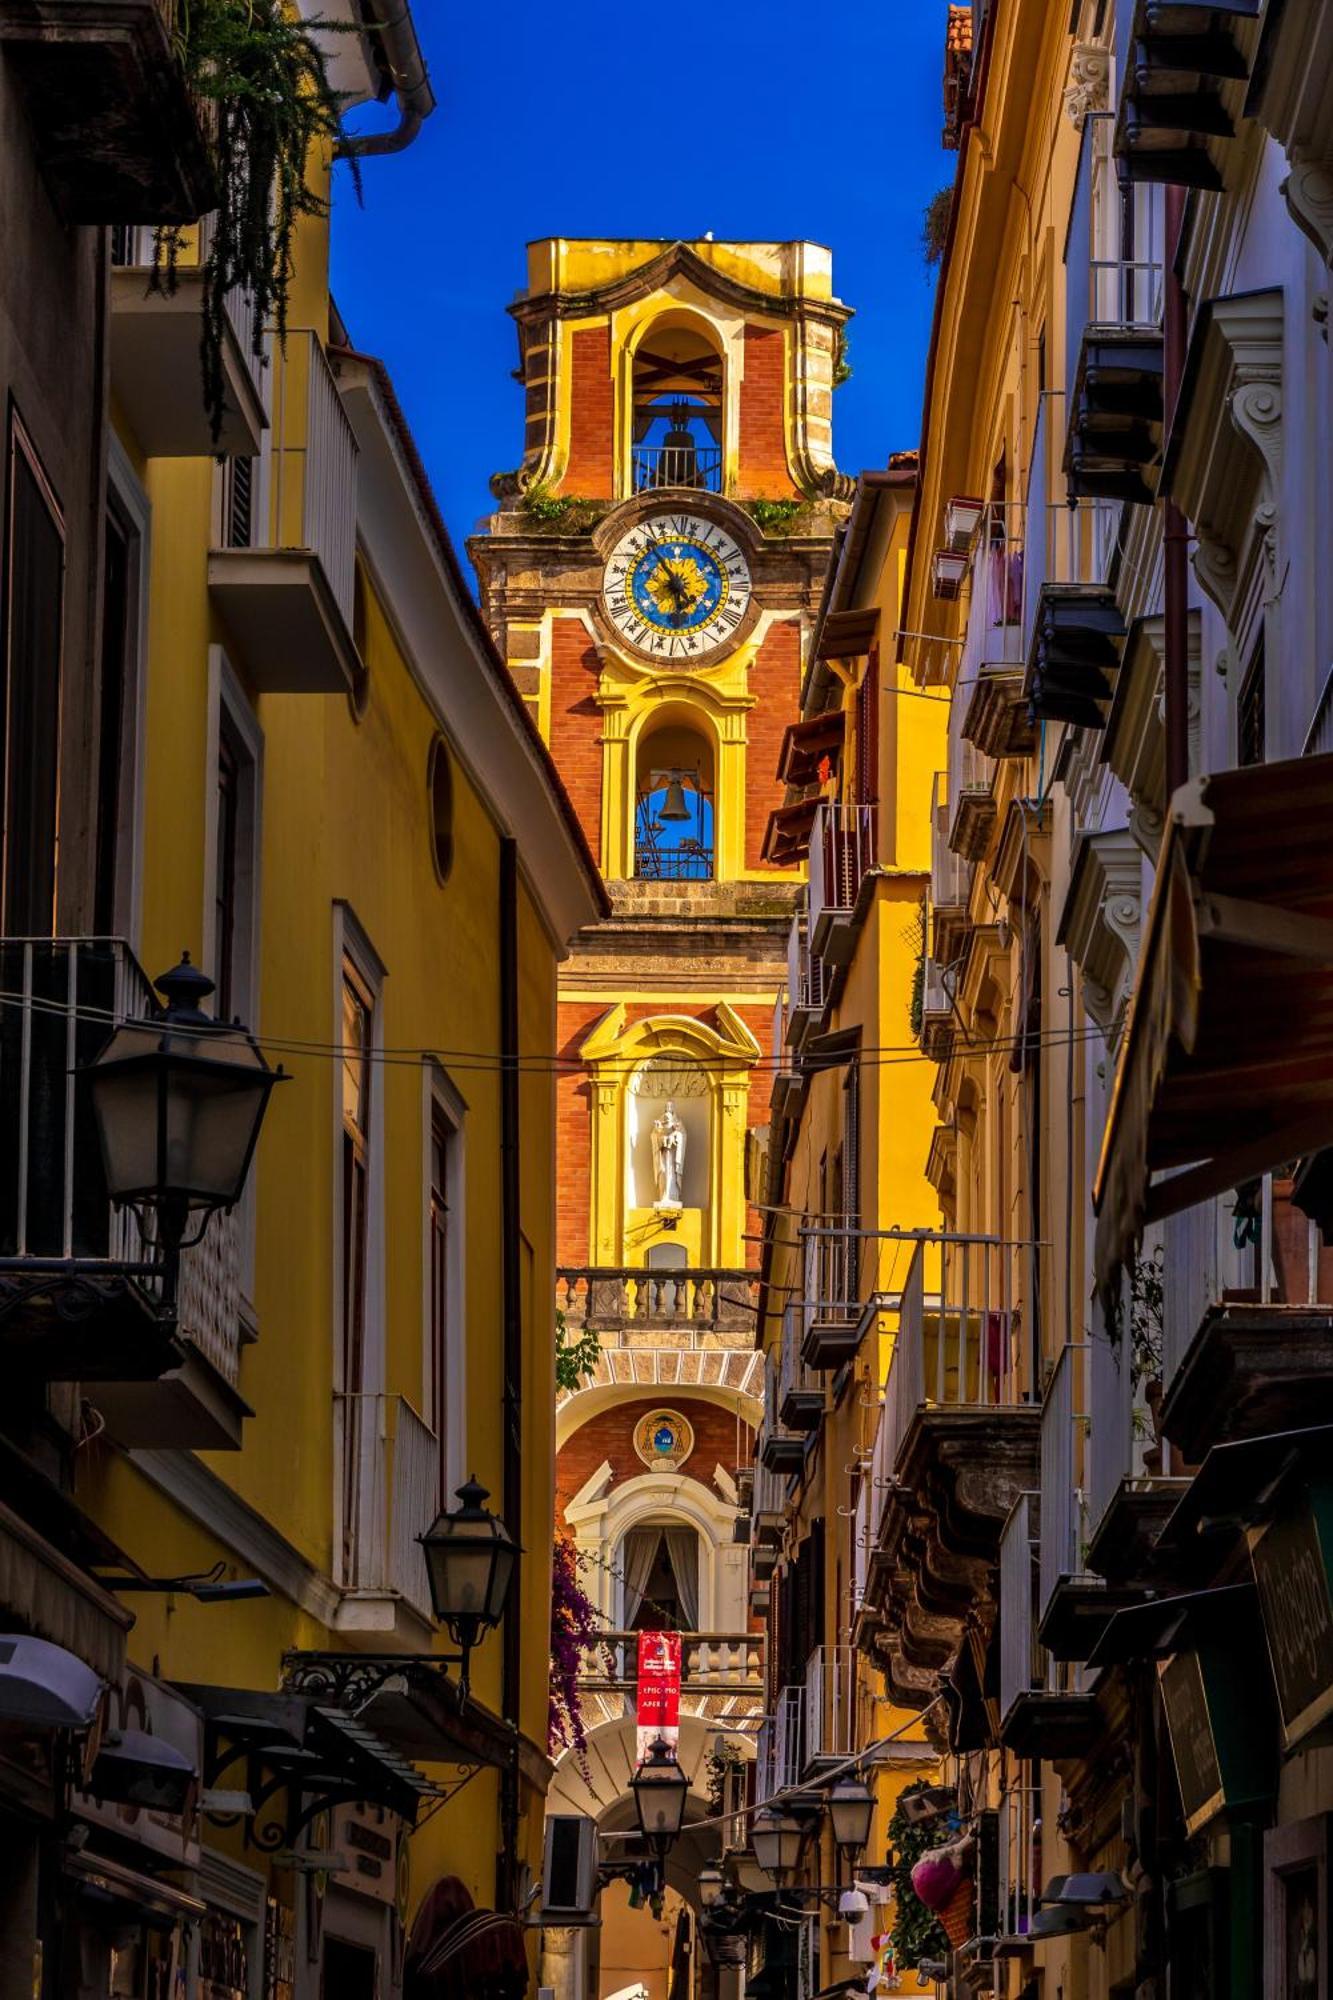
(575, 1629)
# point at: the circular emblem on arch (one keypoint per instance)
(663, 1439)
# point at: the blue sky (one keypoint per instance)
(752, 118)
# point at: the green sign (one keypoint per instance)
(1198, 1766)
(1292, 1579)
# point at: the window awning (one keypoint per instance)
(1226, 1069)
(1172, 1624)
(847, 635)
(787, 837)
(1238, 1484)
(806, 744)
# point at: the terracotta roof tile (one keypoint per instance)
(958, 38)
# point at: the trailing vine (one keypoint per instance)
(916, 1932)
(266, 76)
(935, 226)
(724, 1757)
(575, 1628)
(575, 1359)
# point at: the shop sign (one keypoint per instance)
(367, 1838)
(1292, 1579)
(1197, 1764)
(658, 1701)
(141, 1702)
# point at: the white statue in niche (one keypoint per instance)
(669, 1158)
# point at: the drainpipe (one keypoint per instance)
(1175, 532)
(406, 69)
(512, 1347)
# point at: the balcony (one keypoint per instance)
(391, 1487)
(99, 1325)
(780, 1758)
(693, 467)
(842, 858)
(995, 717)
(972, 800)
(779, 1448)
(286, 597)
(808, 983)
(949, 880)
(838, 1718)
(155, 355)
(1247, 1331)
(1039, 1717)
(119, 137)
(1073, 1602)
(1078, 631)
(1181, 89)
(831, 1308)
(956, 1446)
(800, 1392)
(631, 1305)
(768, 1509)
(1129, 1497)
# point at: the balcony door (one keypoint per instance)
(34, 632)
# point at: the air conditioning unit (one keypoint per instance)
(569, 1870)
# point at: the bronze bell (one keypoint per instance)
(674, 806)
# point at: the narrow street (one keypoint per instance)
(667, 1320)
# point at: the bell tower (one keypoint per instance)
(651, 576)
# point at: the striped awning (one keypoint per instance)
(1226, 1068)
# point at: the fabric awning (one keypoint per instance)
(456, 1948)
(847, 635)
(1238, 1483)
(312, 1749)
(806, 744)
(787, 837)
(1172, 1624)
(55, 1598)
(1226, 1069)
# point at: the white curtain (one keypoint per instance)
(683, 1555)
(638, 1553)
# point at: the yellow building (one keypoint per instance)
(848, 1214)
(333, 799)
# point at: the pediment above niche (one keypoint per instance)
(1100, 922)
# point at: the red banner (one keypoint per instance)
(658, 1703)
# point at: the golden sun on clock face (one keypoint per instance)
(677, 587)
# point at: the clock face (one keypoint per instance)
(677, 586)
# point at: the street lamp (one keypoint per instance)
(178, 1099)
(470, 1557)
(660, 1789)
(851, 1808)
(710, 1886)
(776, 1839)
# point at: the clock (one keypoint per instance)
(677, 587)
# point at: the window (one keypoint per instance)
(358, 1020)
(677, 416)
(440, 793)
(232, 909)
(224, 900)
(674, 820)
(30, 722)
(118, 649)
(238, 503)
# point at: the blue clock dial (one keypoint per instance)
(677, 587)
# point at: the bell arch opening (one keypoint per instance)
(675, 822)
(677, 415)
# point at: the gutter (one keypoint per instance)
(405, 68)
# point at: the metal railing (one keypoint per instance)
(1022, 1662)
(1114, 1452)
(698, 466)
(391, 1494)
(833, 1711)
(794, 1378)
(768, 1502)
(132, 248)
(1064, 1523)
(807, 976)
(948, 871)
(1020, 1858)
(780, 1761)
(862, 1515)
(1201, 1262)
(632, 1298)
(958, 1344)
(831, 1253)
(688, 861)
(842, 854)
(314, 464)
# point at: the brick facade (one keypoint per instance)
(576, 722)
(589, 473)
(720, 1438)
(762, 460)
(775, 681)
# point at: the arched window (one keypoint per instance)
(674, 805)
(677, 416)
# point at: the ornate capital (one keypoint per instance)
(1089, 82)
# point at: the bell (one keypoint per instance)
(680, 455)
(674, 806)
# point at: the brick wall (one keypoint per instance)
(589, 473)
(775, 681)
(762, 462)
(576, 722)
(720, 1438)
(573, 1118)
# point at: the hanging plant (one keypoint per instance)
(266, 76)
(575, 1628)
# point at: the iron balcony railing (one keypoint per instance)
(132, 248)
(1064, 1455)
(1022, 1660)
(62, 998)
(831, 1250)
(780, 1760)
(313, 466)
(800, 1390)
(697, 466)
(1207, 1253)
(958, 1344)
(834, 1711)
(688, 861)
(1020, 1859)
(391, 1493)
(807, 976)
(948, 871)
(842, 854)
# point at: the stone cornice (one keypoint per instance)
(676, 260)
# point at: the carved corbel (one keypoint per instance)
(1089, 83)
(1308, 193)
